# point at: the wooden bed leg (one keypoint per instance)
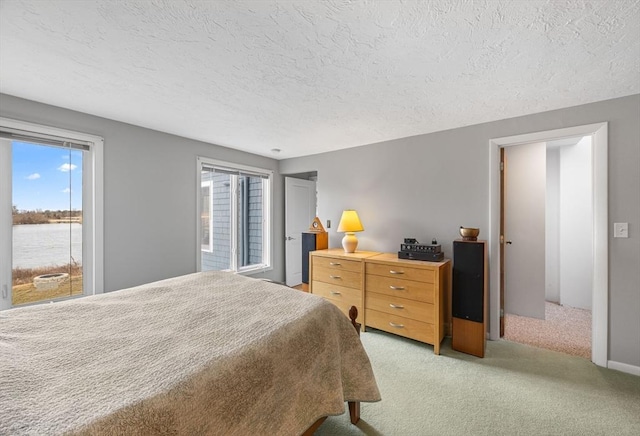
(354, 406)
(354, 411)
(353, 314)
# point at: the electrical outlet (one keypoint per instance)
(620, 230)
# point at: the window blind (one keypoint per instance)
(234, 172)
(38, 138)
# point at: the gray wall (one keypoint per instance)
(150, 194)
(427, 186)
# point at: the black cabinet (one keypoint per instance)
(311, 242)
(469, 296)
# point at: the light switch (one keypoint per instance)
(620, 230)
(328, 224)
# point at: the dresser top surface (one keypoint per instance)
(339, 252)
(393, 257)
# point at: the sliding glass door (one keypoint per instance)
(50, 214)
(46, 191)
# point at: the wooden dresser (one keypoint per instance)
(408, 297)
(339, 277)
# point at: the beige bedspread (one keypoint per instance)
(206, 353)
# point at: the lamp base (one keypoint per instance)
(349, 242)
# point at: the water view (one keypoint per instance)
(47, 262)
(37, 245)
(46, 198)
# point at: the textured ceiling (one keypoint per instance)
(307, 76)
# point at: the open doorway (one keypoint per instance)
(548, 251)
(600, 272)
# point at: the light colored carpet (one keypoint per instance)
(565, 329)
(515, 390)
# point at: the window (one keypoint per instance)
(234, 217)
(50, 213)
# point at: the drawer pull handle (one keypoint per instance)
(396, 306)
(396, 272)
(398, 326)
(334, 263)
(335, 277)
(335, 293)
(397, 288)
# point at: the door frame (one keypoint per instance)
(600, 290)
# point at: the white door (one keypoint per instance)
(300, 210)
(524, 218)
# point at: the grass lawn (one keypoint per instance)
(27, 293)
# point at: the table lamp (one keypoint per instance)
(350, 223)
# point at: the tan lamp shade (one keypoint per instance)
(350, 223)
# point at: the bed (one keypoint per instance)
(205, 353)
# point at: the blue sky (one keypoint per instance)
(46, 177)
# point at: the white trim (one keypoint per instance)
(600, 291)
(267, 241)
(198, 215)
(209, 247)
(233, 209)
(600, 294)
(624, 367)
(93, 219)
(6, 228)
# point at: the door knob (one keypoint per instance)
(289, 238)
(509, 242)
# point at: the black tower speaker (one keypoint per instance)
(312, 242)
(468, 281)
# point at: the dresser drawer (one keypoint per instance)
(337, 264)
(338, 293)
(395, 306)
(401, 272)
(418, 330)
(349, 279)
(396, 287)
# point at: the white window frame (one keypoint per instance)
(267, 196)
(92, 204)
(209, 247)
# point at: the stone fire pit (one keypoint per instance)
(47, 282)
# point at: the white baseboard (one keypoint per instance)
(624, 367)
